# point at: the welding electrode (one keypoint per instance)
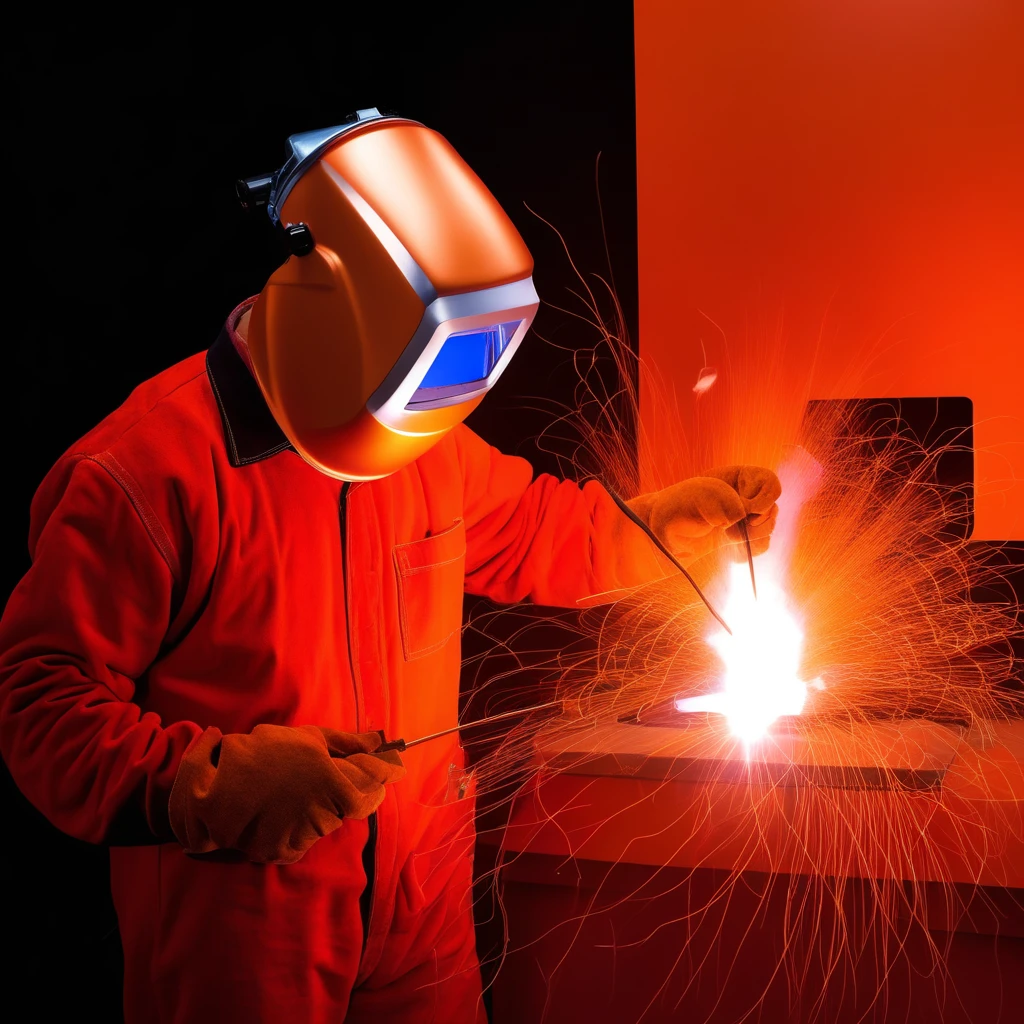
(750, 554)
(633, 517)
(401, 745)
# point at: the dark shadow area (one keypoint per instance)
(927, 440)
(930, 441)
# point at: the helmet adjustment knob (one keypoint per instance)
(299, 239)
(253, 193)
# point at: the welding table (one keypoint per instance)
(636, 886)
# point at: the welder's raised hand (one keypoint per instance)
(696, 516)
(270, 794)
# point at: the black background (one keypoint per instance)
(126, 249)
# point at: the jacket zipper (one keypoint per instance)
(370, 849)
(343, 523)
(370, 869)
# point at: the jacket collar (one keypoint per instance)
(250, 430)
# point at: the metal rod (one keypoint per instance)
(750, 554)
(406, 744)
(634, 518)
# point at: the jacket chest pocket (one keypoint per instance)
(431, 577)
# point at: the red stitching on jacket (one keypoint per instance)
(153, 526)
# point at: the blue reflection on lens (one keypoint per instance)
(468, 356)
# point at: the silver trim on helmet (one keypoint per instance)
(442, 317)
(402, 258)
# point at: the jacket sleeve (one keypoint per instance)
(546, 540)
(79, 631)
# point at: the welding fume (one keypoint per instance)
(245, 599)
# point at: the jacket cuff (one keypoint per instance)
(192, 782)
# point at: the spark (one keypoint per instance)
(707, 376)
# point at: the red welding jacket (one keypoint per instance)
(190, 570)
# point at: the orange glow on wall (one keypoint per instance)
(848, 177)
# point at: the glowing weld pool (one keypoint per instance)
(760, 659)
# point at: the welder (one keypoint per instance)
(255, 567)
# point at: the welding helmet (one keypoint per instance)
(407, 292)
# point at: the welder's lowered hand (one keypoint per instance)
(270, 794)
(696, 516)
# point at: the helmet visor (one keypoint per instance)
(464, 362)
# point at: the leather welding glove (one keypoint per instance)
(272, 793)
(696, 516)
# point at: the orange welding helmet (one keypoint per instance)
(407, 292)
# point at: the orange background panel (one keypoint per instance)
(846, 179)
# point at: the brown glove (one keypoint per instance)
(272, 793)
(696, 516)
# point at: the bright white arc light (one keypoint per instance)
(762, 659)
